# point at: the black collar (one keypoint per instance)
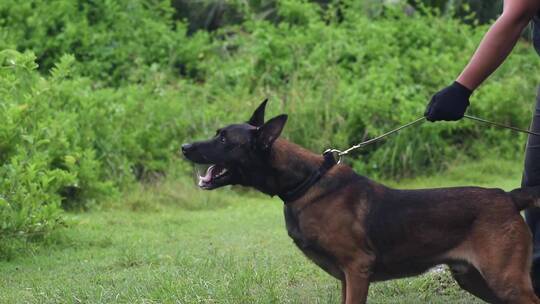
(302, 188)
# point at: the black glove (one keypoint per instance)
(449, 103)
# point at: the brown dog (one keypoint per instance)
(360, 231)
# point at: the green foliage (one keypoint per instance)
(63, 143)
(481, 11)
(114, 41)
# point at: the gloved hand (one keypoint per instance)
(449, 103)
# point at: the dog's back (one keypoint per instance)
(411, 230)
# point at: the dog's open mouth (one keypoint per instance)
(215, 176)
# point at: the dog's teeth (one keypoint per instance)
(221, 173)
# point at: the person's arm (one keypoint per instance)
(498, 42)
(451, 102)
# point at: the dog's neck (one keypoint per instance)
(291, 165)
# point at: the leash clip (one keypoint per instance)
(338, 155)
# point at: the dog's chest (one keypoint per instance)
(308, 244)
(293, 229)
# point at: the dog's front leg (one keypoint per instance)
(357, 286)
(357, 282)
(343, 291)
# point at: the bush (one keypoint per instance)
(29, 186)
(116, 42)
(63, 143)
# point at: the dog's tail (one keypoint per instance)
(526, 197)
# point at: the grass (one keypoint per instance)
(173, 244)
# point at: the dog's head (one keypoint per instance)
(238, 153)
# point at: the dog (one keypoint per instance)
(360, 231)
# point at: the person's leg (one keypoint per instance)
(531, 177)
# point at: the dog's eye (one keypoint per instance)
(222, 139)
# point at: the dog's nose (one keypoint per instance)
(186, 148)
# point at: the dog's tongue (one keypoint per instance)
(209, 174)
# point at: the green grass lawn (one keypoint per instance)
(175, 244)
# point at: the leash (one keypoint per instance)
(501, 125)
(340, 153)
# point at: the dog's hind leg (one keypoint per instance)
(512, 288)
(503, 258)
(470, 279)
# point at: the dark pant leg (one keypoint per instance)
(531, 177)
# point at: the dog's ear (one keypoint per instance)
(270, 131)
(257, 119)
